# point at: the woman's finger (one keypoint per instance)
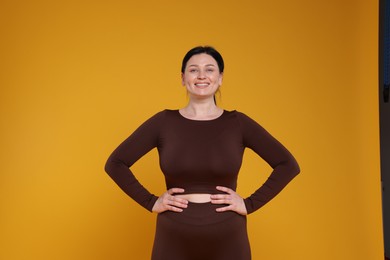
(222, 209)
(175, 209)
(167, 201)
(231, 199)
(221, 199)
(225, 189)
(172, 191)
(220, 196)
(178, 202)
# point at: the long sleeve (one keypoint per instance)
(284, 165)
(144, 139)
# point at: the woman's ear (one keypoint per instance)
(220, 79)
(182, 79)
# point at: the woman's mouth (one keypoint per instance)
(201, 85)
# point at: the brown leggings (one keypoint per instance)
(201, 233)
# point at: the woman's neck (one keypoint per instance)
(201, 110)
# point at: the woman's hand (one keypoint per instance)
(234, 201)
(169, 202)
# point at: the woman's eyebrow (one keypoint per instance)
(195, 65)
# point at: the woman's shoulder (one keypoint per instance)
(164, 112)
(170, 111)
(244, 120)
(237, 113)
(164, 115)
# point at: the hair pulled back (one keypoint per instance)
(207, 50)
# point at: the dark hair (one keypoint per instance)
(207, 50)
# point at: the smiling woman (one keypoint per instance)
(201, 146)
(76, 76)
(202, 79)
(208, 53)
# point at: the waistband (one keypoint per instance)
(204, 189)
(199, 214)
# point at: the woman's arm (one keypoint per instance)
(284, 165)
(144, 139)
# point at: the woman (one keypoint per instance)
(200, 216)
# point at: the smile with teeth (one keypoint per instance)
(202, 85)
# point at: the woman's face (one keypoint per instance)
(201, 76)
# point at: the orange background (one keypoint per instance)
(77, 77)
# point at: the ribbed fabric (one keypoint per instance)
(199, 155)
(201, 233)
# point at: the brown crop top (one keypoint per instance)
(199, 155)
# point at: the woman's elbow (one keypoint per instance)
(110, 165)
(294, 168)
(107, 167)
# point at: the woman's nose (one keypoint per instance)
(201, 75)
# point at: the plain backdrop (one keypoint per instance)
(77, 77)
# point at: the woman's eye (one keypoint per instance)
(193, 70)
